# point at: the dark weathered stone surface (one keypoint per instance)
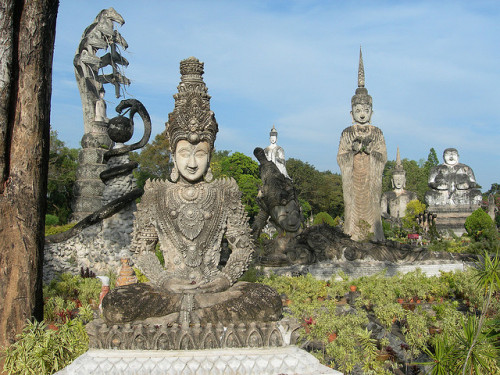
(324, 243)
(277, 199)
(245, 302)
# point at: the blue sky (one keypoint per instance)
(432, 68)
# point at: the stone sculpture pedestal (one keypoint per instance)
(452, 217)
(262, 361)
(142, 348)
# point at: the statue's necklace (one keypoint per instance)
(191, 216)
(190, 193)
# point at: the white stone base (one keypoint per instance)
(259, 361)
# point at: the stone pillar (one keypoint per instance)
(89, 188)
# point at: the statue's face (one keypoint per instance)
(192, 160)
(361, 113)
(398, 181)
(273, 139)
(451, 157)
(287, 216)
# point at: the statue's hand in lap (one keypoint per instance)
(179, 286)
(182, 286)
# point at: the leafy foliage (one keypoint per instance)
(51, 220)
(479, 225)
(322, 190)
(61, 178)
(318, 304)
(48, 346)
(413, 208)
(154, 160)
(323, 217)
(40, 350)
(246, 173)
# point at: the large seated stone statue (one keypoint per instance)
(452, 183)
(189, 216)
(393, 203)
(361, 157)
(453, 194)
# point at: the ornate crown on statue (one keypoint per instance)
(191, 119)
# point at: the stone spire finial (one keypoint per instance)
(361, 70)
(361, 96)
(398, 169)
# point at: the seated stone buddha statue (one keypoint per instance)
(189, 216)
(452, 183)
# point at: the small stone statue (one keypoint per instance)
(452, 183)
(100, 107)
(361, 157)
(275, 153)
(393, 203)
(126, 276)
(189, 216)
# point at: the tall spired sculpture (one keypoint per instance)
(362, 156)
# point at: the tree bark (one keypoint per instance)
(27, 33)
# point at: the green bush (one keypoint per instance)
(480, 226)
(413, 208)
(51, 220)
(388, 230)
(40, 350)
(323, 217)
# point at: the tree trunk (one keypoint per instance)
(27, 33)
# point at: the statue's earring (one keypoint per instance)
(174, 174)
(208, 177)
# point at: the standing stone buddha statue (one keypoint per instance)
(393, 203)
(361, 157)
(189, 216)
